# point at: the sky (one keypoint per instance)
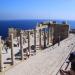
(37, 9)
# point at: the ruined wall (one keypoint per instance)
(61, 31)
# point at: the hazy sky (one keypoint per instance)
(35, 9)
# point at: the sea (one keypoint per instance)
(26, 24)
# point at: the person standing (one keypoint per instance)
(71, 71)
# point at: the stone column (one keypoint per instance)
(48, 41)
(21, 44)
(44, 37)
(28, 42)
(40, 38)
(12, 50)
(35, 40)
(52, 36)
(1, 59)
(68, 31)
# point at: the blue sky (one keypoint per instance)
(37, 9)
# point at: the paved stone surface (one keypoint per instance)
(46, 62)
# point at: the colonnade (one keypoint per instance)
(47, 38)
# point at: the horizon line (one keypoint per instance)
(35, 19)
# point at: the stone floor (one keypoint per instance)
(46, 62)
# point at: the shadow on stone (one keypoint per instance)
(32, 47)
(18, 58)
(18, 53)
(7, 62)
(8, 58)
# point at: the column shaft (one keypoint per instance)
(29, 41)
(12, 50)
(40, 38)
(35, 40)
(52, 35)
(44, 37)
(21, 44)
(1, 60)
(48, 36)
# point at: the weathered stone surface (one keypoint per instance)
(46, 62)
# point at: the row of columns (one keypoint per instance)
(12, 48)
(21, 46)
(48, 39)
(45, 37)
(12, 51)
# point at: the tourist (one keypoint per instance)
(71, 71)
(72, 56)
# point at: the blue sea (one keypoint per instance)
(25, 24)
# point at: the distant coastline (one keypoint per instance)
(26, 24)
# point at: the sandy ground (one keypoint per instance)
(46, 62)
